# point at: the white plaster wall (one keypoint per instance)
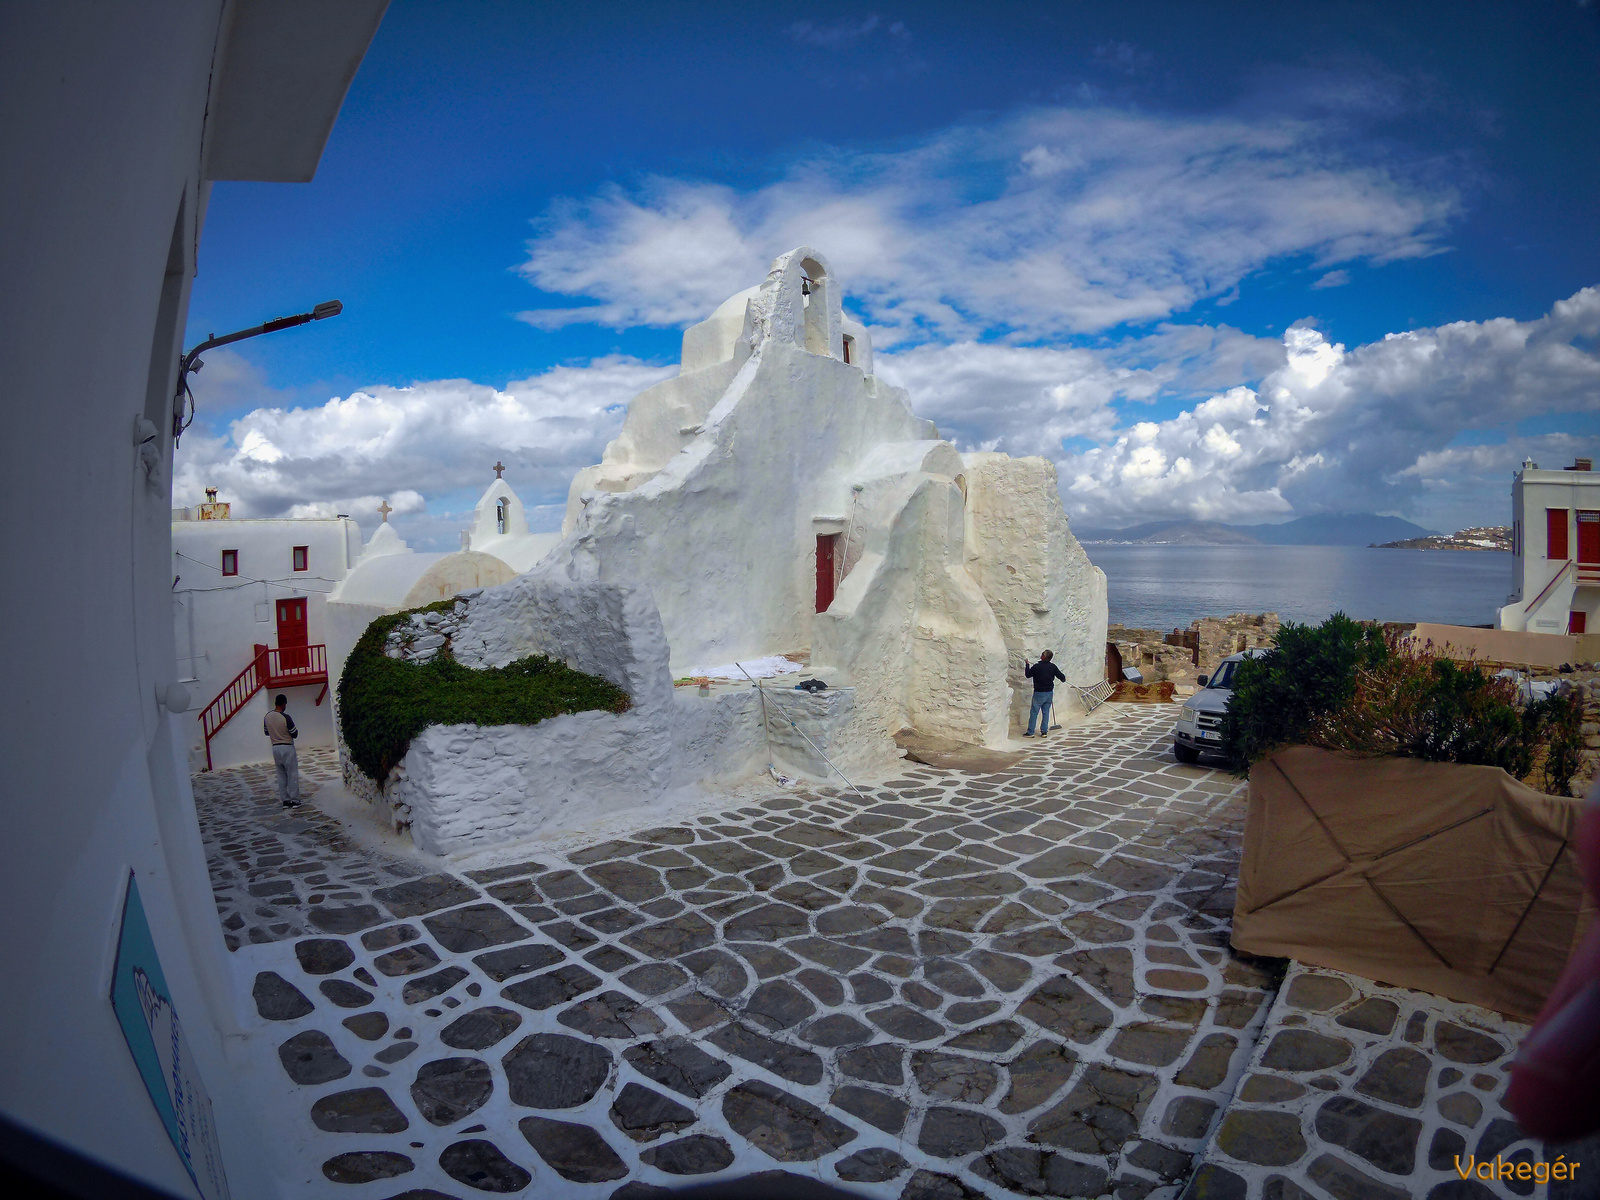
(725, 526)
(1044, 591)
(103, 197)
(468, 786)
(662, 420)
(909, 626)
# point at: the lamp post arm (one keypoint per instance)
(191, 361)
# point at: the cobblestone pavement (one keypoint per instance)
(279, 874)
(1362, 1091)
(955, 985)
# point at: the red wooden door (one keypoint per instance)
(292, 638)
(825, 551)
(1588, 537)
(1577, 622)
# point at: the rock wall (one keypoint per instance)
(1182, 655)
(1222, 636)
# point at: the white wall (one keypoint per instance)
(219, 619)
(723, 525)
(1044, 591)
(102, 198)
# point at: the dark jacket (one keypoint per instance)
(1044, 676)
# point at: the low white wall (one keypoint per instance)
(463, 787)
(469, 786)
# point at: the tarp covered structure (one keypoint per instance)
(1454, 880)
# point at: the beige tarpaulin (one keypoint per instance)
(1454, 880)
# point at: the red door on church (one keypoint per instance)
(292, 639)
(827, 547)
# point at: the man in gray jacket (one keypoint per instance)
(279, 726)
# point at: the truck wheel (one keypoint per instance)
(1185, 754)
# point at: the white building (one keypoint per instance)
(248, 605)
(1555, 546)
(776, 500)
(389, 576)
(500, 528)
(118, 117)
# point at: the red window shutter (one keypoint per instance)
(1555, 533)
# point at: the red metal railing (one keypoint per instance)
(291, 666)
(1588, 573)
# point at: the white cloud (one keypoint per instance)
(1333, 279)
(1277, 427)
(1375, 428)
(835, 35)
(1054, 222)
(429, 441)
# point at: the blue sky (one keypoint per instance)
(1128, 237)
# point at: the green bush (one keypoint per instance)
(1560, 722)
(1279, 696)
(1345, 686)
(385, 702)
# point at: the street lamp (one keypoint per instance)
(191, 361)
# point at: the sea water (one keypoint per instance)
(1164, 587)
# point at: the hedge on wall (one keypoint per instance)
(385, 702)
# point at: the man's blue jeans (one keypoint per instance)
(1040, 709)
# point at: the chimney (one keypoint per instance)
(1582, 464)
(211, 510)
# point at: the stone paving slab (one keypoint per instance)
(954, 985)
(1360, 1091)
(280, 873)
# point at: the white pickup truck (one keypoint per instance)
(1200, 720)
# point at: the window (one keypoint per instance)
(301, 555)
(500, 516)
(230, 562)
(849, 343)
(1555, 520)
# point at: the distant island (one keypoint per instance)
(1481, 537)
(1324, 529)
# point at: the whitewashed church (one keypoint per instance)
(775, 501)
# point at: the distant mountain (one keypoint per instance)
(1190, 533)
(1323, 529)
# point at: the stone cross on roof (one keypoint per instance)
(498, 468)
(385, 510)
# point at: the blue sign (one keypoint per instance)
(155, 1037)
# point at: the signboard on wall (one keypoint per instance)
(155, 1037)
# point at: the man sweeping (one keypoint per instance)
(1044, 674)
(279, 726)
